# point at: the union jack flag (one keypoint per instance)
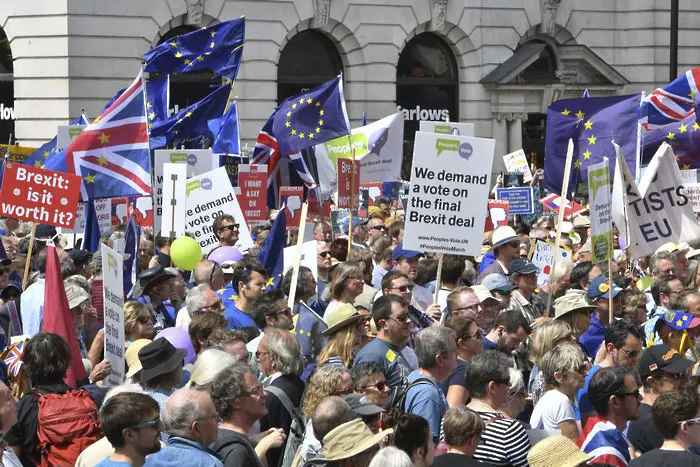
(671, 103)
(111, 154)
(13, 360)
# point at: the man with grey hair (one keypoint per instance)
(279, 359)
(190, 420)
(209, 272)
(199, 299)
(436, 349)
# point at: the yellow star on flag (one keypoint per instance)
(294, 132)
(301, 100)
(320, 112)
(580, 115)
(289, 114)
(46, 154)
(691, 94)
(152, 116)
(294, 106)
(90, 178)
(301, 135)
(37, 164)
(683, 128)
(102, 160)
(671, 135)
(686, 166)
(270, 281)
(684, 318)
(696, 126)
(311, 136)
(318, 130)
(320, 122)
(318, 104)
(287, 124)
(173, 43)
(104, 138)
(178, 54)
(591, 139)
(179, 120)
(187, 62)
(566, 112)
(150, 125)
(679, 323)
(200, 59)
(577, 164)
(212, 34)
(589, 125)
(188, 114)
(211, 46)
(148, 105)
(587, 154)
(309, 100)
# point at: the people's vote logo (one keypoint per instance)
(465, 151)
(206, 184)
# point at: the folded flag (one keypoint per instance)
(671, 103)
(227, 140)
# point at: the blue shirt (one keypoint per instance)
(389, 357)
(584, 404)
(236, 318)
(488, 345)
(227, 294)
(590, 340)
(180, 451)
(428, 401)
(110, 463)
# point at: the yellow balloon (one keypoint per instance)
(186, 253)
(645, 282)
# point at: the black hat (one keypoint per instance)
(662, 357)
(45, 232)
(80, 257)
(522, 267)
(362, 405)
(160, 357)
(149, 278)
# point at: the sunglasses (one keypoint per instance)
(692, 421)
(286, 311)
(404, 288)
(256, 391)
(231, 227)
(630, 353)
(635, 393)
(380, 386)
(155, 423)
(378, 227)
(324, 254)
(401, 318)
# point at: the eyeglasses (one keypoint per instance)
(673, 376)
(230, 228)
(692, 421)
(404, 288)
(256, 391)
(356, 278)
(155, 423)
(378, 227)
(212, 416)
(259, 354)
(470, 307)
(635, 393)
(324, 254)
(144, 320)
(477, 335)
(380, 386)
(286, 311)
(401, 318)
(513, 244)
(630, 353)
(216, 306)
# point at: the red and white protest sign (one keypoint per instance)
(141, 207)
(553, 202)
(314, 210)
(348, 184)
(498, 214)
(39, 195)
(252, 180)
(293, 198)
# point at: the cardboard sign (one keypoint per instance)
(293, 198)
(174, 200)
(198, 161)
(517, 162)
(208, 196)
(113, 295)
(542, 256)
(499, 211)
(338, 219)
(553, 201)
(348, 183)
(308, 256)
(39, 195)
(690, 176)
(315, 211)
(600, 212)
(230, 162)
(521, 199)
(450, 184)
(252, 179)
(692, 191)
(66, 134)
(16, 153)
(140, 206)
(447, 128)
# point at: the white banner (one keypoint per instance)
(308, 256)
(599, 199)
(378, 147)
(450, 181)
(517, 162)
(174, 200)
(208, 196)
(198, 161)
(446, 128)
(113, 294)
(692, 191)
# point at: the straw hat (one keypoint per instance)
(571, 302)
(503, 234)
(132, 356)
(556, 451)
(348, 440)
(340, 317)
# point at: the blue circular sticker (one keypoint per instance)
(206, 184)
(191, 159)
(465, 150)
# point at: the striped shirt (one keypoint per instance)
(504, 441)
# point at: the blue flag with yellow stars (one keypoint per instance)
(218, 48)
(311, 118)
(271, 254)
(682, 136)
(309, 330)
(92, 235)
(189, 127)
(157, 99)
(39, 157)
(592, 123)
(225, 128)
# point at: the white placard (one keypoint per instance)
(447, 128)
(79, 227)
(113, 295)
(450, 181)
(66, 134)
(517, 162)
(692, 191)
(690, 176)
(208, 196)
(600, 211)
(198, 161)
(308, 256)
(174, 200)
(543, 258)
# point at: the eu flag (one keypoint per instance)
(271, 254)
(47, 150)
(157, 99)
(92, 234)
(189, 127)
(311, 118)
(309, 331)
(225, 130)
(683, 136)
(593, 123)
(218, 48)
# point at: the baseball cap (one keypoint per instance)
(678, 320)
(496, 281)
(80, 257)
(362, 405)
(600, 287)
(45, 232)
(662, 357)
(670, 246)
(522, 266)
(483, 293)
(586, 247)
(400, 252)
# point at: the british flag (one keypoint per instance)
(13, 360)
(671, 103)
(111, 154)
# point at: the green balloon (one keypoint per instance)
(645, 282)
(186, 253)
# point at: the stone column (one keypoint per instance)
(498, 123)
(515, 131)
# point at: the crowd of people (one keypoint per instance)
(483, 365)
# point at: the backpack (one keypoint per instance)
(296, 430)
(401, 399)
(68, 423)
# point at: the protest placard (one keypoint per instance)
(600, 211)
(316, 211)
(447, 128)
(140, 206)
(348, 183)
(692, 191)
(293, 198)
(542, 256)
(690, 176)
(39, 195)
(16, 153)
(308, 256)
(450, 181)
(521, 199)
(499, 210)
(338, 219)
(208, 196)
(113, 296)
(230, 162)
(66, 134)
(252, 180)
(174, 196)
(552, 202)
(198, 161)
(517, 162)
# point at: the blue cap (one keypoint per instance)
(355, 222)
(522, 267)
(679, 320)
(600, 287)
(498, 282)
(399, 252)
(45, 232)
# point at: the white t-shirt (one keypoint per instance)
(552, 408)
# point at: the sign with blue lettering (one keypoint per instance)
(521, 199)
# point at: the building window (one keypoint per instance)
(427, 85)
(7, 90)
(309, 59)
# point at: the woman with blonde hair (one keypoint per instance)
(347, 284)
(346, 331)
(545, 338)
(138, 321)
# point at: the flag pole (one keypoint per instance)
(352, 197)
(562, 208)
(297, 254)
(438, 285)
(29, 257)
